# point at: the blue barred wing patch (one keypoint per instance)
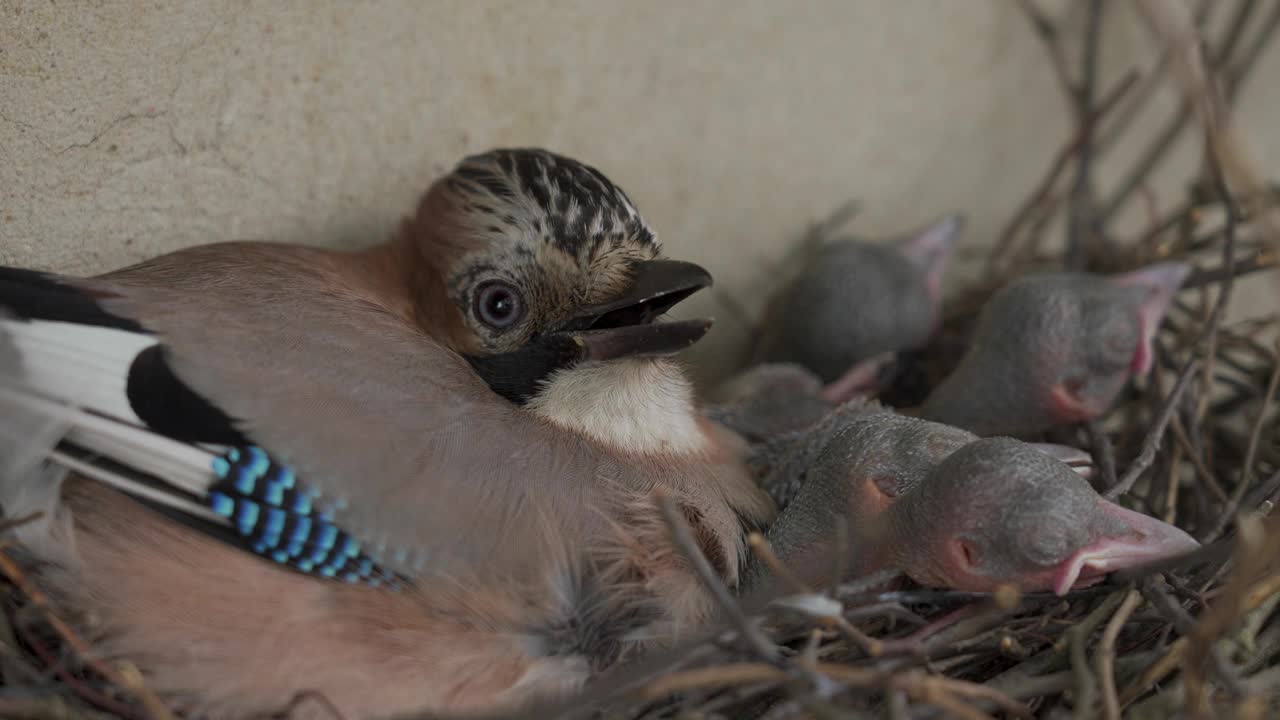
(281, 519)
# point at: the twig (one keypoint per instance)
(1060, 162)
(713, 677)
(1239, 268)
(10, 523)
(1219, 310)
(1257, 545)
(1182, 621)
(1239, 70)
(1171, 20)
(153, 705)
(1080, 219)
(1100, 444)
(303, 698)
(682, 536)
(1250, 455)
(1202, 471)
(1076, 642)
(1156, 672)
(1047, 31)
(1106, 654)
(763, 550)
(1151, 443)
(1163, 141)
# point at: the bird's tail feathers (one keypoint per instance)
(63, 408)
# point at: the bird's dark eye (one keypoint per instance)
(498, 305)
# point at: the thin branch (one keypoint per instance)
(1047, 31)
(1151, 444)
(1158, 149)
(1250, 455)
(1106, 655)
(1238, 70)
(1103, 452)
(682, 536)
(1060, 163)
(154, 707)
(1081, 212)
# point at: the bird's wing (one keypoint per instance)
(407, 448)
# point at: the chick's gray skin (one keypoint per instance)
(1055, 349)
(949, 510)
(854, 302)
(999, 511)
(769, 401)
(861, 459)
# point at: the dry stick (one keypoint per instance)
(1210, 336)
(713, 677)
(1106, 655)
(1081, 212)
(1211, 332)
(1171, 483)
(1203, 472)
(1100, 443)
(149, 700)
(1257, 545)
(682, 536)
(1047, 31)
(1159, 147)
(1251, 453)
(1239, 70)
(1155, 673)
(1259, 262)
(300, 700)
(1264, 494)
(1151, 443)
(929, 687)
(764, 551)
(1076, 640)
(1059, 164)
(1228, 150)
(1182, 621)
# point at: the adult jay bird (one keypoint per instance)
(415, 477)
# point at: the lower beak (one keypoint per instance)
(1149, 540)
(628, 325)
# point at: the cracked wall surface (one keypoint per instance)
(128, 128)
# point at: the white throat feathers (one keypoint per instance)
(639, 405)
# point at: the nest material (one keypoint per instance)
(1197, 444)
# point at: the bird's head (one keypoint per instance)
(1000, 511)
(1056, 349)
(533, 263)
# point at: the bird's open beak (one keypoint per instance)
(622, 327)
(626, 327)
(1147, 541)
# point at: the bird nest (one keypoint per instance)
(1196, 444)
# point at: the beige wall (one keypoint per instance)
(129, 129)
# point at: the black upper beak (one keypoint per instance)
(622, 327)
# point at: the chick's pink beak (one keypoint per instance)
(1147, 541)
(1163, 280)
